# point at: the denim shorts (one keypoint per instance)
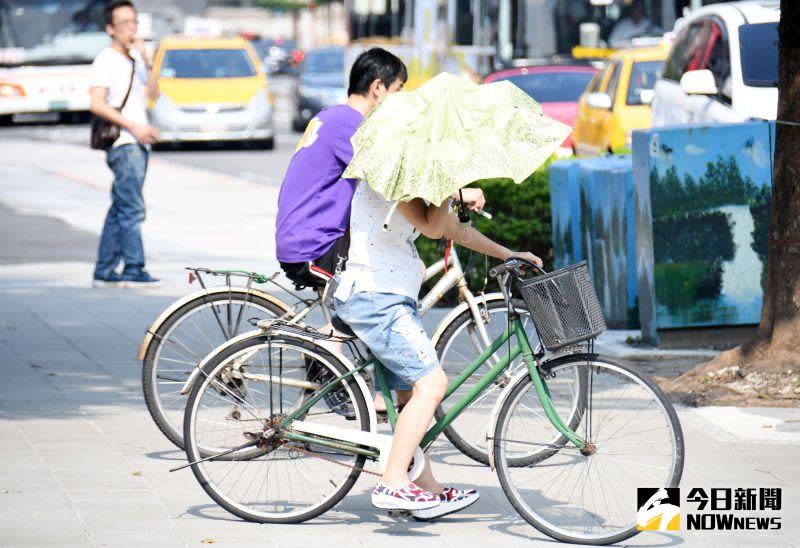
(391, 328)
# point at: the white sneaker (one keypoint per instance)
(410, 497)
(451, 500)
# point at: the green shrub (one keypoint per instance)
(521, 221)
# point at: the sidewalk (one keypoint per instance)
(81, 462)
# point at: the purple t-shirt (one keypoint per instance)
(314, 202)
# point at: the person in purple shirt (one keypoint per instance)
(311, 233)
(314, 202)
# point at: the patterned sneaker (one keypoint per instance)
(410, 497)
(451, 500)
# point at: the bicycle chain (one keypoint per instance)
(317, 455)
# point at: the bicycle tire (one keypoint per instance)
(192, 452)
(504, 471)
(174, 432)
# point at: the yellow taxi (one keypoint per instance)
(211, 89)
(617, 101)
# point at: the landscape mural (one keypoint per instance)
(710, 193)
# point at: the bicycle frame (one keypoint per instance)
(522, 346)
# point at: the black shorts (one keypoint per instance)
(315, 274)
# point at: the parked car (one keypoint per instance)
(320, 84)
(280, 56)
(617, 101)
(723, 66)
(212, 89)
(556, 87)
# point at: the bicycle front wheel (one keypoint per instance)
(183, 340)
(589, 497)
(249, 388)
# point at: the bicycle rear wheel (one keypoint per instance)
(589, 497)
(184, 339)
(245, 390)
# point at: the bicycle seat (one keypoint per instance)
(341, 327)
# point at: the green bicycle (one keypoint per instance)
(571, 437)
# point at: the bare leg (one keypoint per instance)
(403, 396)
(427, 481)
(411, 426)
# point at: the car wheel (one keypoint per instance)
(298, 126)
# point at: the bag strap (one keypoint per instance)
(130, 84)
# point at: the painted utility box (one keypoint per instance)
(593, 219)
(703, 197)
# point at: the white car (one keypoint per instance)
(723, 66)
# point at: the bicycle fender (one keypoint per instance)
(159, 321)
(455, 312)
(367, 393)
(510, 386)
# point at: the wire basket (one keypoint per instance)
(564, 306)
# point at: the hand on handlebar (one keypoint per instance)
(527, 256)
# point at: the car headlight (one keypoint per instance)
(164, 110)
(260, 101)
(11, 90)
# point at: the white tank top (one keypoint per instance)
(380, 261)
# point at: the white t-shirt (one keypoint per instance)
(380, 261)
(112, 70)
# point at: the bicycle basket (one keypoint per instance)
(564, 306)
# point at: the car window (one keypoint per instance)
(685, 50)
(759, 51)
(598, 79)
(324, 61)
(643, 77)
(552, 87)
(207, 63)
(613, 80)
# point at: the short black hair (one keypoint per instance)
(375, 64)
(108, 12)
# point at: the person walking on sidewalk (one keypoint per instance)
(122, 81)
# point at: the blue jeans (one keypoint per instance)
(122, 235)
(391, 328)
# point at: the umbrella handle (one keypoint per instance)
(389, 216)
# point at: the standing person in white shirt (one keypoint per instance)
(124, 64)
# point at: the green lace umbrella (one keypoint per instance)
(448, 133)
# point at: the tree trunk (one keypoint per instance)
(774, 353)
(780, 317)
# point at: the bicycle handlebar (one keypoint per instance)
(514, 264)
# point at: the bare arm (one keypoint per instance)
(151, 88)
(438, 221)
(98, 105)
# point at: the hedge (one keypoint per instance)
(521, 221)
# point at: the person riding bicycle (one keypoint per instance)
(377, 297)
(314, 201)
